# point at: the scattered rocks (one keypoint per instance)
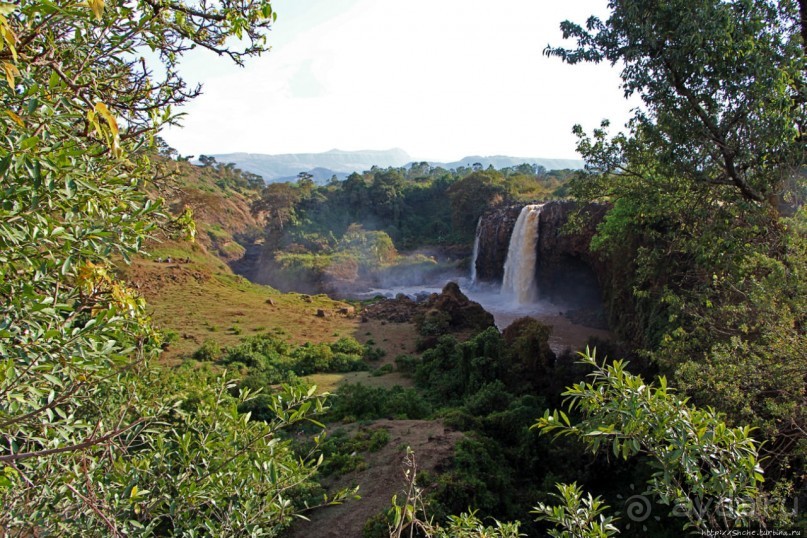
(170, 259)
(399, 310)
(461, 312)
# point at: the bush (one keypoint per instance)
(386, 369)
(371, 353)
(360, 402)
(488, 399)
(378, 526)
(208, 351)
(279, 361)
(433, 323)
(258, 351)
(347, 345)
(342, 454)
(378, 440)
(452, 370)
(407, 364)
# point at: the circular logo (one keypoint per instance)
(637, 507)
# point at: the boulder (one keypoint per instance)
(462, 312)
(451, 304)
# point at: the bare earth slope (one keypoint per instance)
(383, 477)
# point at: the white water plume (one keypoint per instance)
(476, 251)
(522, 254)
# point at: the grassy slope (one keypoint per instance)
(202, 299)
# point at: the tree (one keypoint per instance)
(471, 195)
(706, 188)
(370, 247)
(356, 196)
(277, 202)
(386, 196)
(723, 89)
(706, 471)
(80, 110)
(207, 160)
(305, 184)
(254, 181)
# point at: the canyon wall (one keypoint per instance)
(566, 268)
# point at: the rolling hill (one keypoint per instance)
(323, 166)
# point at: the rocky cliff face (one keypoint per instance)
(494, 238)
(566, 269)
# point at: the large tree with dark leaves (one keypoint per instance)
(706, 231)
(722, 85)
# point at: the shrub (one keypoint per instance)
(361, 402)
(208, 351)
(373, 353)
(378, 440)
(386, 369)
(347, 345)
(407, 364)
(433, 323)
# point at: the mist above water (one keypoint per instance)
(505, 310)
(518, 295)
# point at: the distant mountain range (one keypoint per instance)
(503, 161)
(323, 166)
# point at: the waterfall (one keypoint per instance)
(476, 251)
(519, 267)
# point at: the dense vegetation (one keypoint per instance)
(93, 442)
(415, 206)
(707, 229)
(355, 229)
(705, 236)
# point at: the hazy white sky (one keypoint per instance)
(441, 79)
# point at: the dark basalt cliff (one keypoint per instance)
(494, 238)
(566, 268)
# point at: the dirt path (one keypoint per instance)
(433, 445)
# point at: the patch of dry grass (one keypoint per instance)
(331, 382)
(203, 300)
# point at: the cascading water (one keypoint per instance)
(476, 251)
(522, 253)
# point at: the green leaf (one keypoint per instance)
(53, 379)
(67, 265)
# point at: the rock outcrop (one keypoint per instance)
(462, 312)
(494, 238)
(567, 270)
(451, 304)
